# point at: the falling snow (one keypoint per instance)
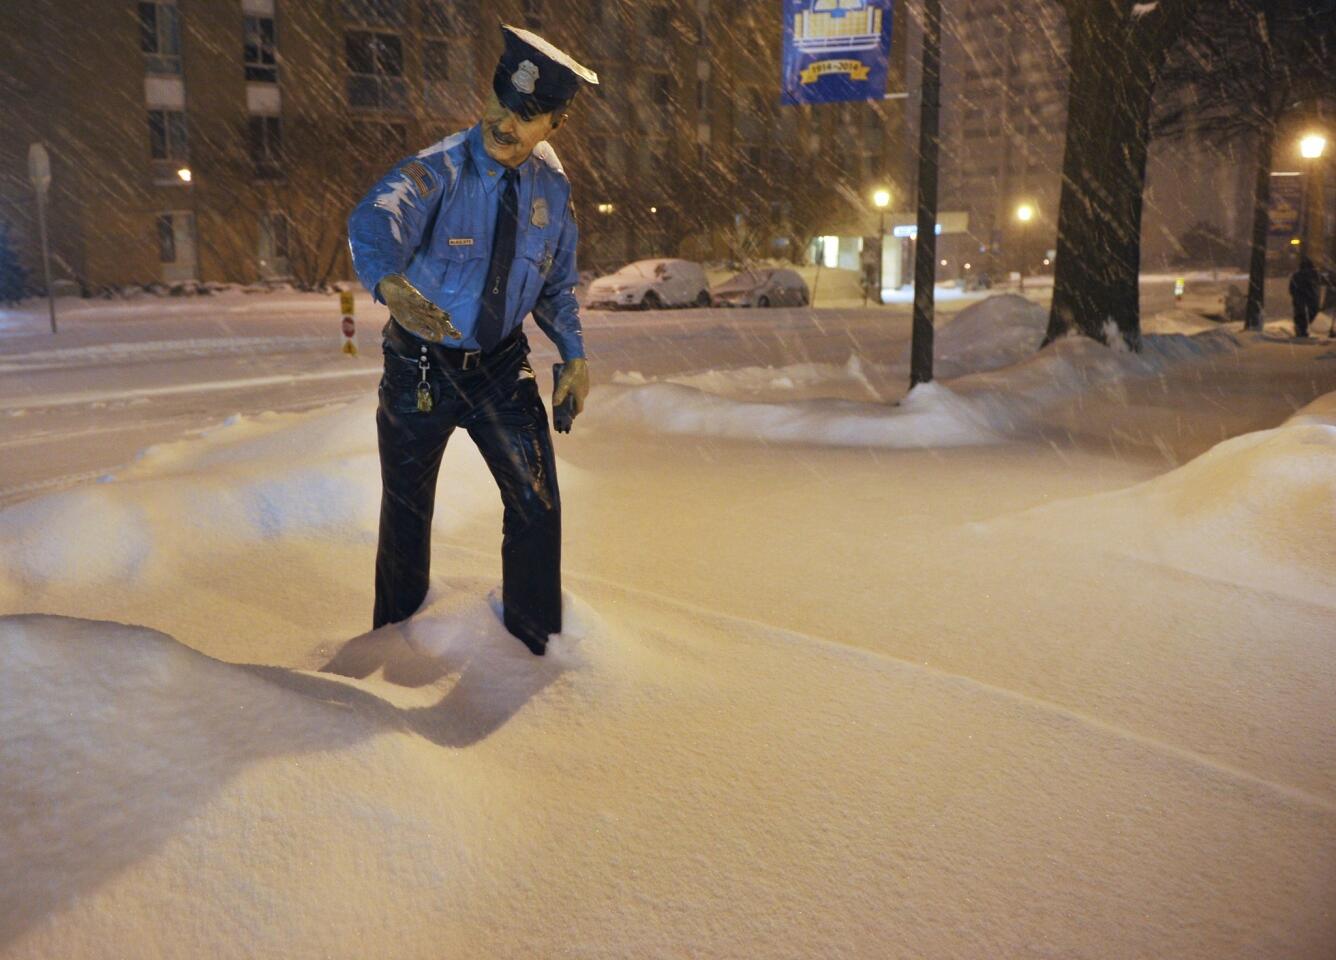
(1032, 658)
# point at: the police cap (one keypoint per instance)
(533, 77)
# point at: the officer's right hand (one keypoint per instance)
(415, 312)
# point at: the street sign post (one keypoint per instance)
(39, 172)
(349, 325)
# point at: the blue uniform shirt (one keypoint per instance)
(432, 217)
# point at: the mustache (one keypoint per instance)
(501, 137)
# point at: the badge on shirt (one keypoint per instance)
(538, 216)
(461, 241)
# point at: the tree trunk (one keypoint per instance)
(1115, 60)
(1260, 228)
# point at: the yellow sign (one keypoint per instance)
(346, 302)
(856, 69)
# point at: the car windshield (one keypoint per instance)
(746, 280)
(641, 268)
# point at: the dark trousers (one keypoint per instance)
(498, 403)
(1304, 314)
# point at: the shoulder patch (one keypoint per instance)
(421, 177)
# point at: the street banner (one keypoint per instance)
(835, 50)
(1287, 197)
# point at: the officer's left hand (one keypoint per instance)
(574, 382)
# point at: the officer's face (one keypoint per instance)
(508, 137)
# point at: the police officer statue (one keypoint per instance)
(461, 242)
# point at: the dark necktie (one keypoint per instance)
(492, 313)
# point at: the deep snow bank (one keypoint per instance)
(1257, 510)
(677, 782)
(996, 332)
(310, 478)
(980, 408)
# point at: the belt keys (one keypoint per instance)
(424, 403)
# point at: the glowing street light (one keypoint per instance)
(1311, 148)
(881, 199)
(1024, 213)
(185, 174)
(606, 208)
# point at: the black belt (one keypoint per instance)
(449, 356)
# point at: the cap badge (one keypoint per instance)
(538, 215)
(525, 77)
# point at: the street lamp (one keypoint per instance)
(1311, 148)
(881, 199)
(1024, 213)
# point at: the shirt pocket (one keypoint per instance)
(538, 251)
(462, 269)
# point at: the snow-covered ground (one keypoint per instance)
(1036, 660)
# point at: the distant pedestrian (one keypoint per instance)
(1305, 294)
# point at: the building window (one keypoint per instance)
(660, 89)
(376, 70)
(392, 12)
(444, 61)
(275, 251)
(266, 146)
(260, 51)
(167, 135)
(160, 37)
(533, 14)
(166, 239)
(380, 145)
(660, 21)
(444, 17)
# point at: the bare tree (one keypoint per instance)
(1118, 48)
(1241, 70)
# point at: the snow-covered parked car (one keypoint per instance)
(650, 285)
(1212, 300)
(763, 287)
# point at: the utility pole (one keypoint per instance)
(39, 172)
(925, 259)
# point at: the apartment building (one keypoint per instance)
(227, 139)
(1003, 124)
(1004, 118)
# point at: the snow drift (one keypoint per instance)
(676, 779)
(1256, 510)
(1005, 396)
